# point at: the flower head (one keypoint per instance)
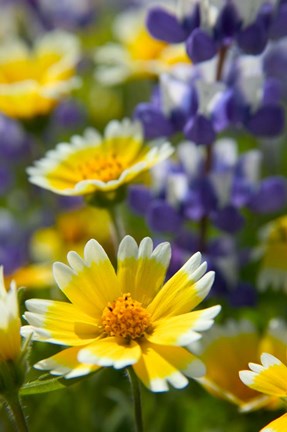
(33, 81)
(273, 271)
(137, 54)
(92, 163)
(268, 378)
(222, 353)
(10, 341)
(125, 318)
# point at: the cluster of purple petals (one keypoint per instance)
(200, 195)
(64, 14)
(204, 36)
(13, 243)
(14, 145)
(202, 109)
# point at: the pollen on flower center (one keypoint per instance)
(101, 169)
(125, 317)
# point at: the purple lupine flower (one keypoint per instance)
(206, 28)
(13, 243)
(13, 140)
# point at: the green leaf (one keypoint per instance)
(43, 385)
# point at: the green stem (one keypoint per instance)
(16, 413)
(118, 231)
(136, 391)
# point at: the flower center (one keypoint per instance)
(126, 318)
(104, 169)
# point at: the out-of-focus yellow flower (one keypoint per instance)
(273, 249)
(228, 349)
(92, 163)
(32, 81)
(128, 318)
(137, 54)
(269, 378)
(71, 231)
(10, 340)
(278, 425)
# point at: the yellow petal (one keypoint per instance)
(91, 283)
(278, 425)
(162, 365)
(142, 270)
(183, 291)
(182, 329)
(66, 363)
(111, 352)
(270, 378)
(60, 322)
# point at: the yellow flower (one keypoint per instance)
(278, 425)
(91, 163)
(223, 355)
(269, 378)
(273, 271)
(137, 54)
(32, 81)
(10, 340)
(124, 318)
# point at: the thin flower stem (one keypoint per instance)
(136, 391)
(16, 413)
(118, 231)
(204, 222)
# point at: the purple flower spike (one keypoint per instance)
(164, 26)
(201, 200)
(267, 121)
(200, 46)
(270, 197)
(228, 219)
(273, 91)
(253, 39)
(243, 295)
(278, 27)
(227, 24)
(200, 130)
(163, 218)
(139, 198)
(154, 123)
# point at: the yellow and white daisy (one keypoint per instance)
(10, 340)
(269, 378)
(91, 163)
(273, 251)
(32, 81)
(125, 318)
(223, 355)
(137, 54)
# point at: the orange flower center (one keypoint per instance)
(104, 169)
(125, 317)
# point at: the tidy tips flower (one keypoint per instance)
(268, 378)
(91, 163)
(12, 359)
(128, 317)
(10, 340)
(32, 81)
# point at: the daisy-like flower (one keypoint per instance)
(10, 340)
(268, 378)
(125, 318)
(32, 81)
(137, 54)
(273, 250)
(92, 163)
(222, 353)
